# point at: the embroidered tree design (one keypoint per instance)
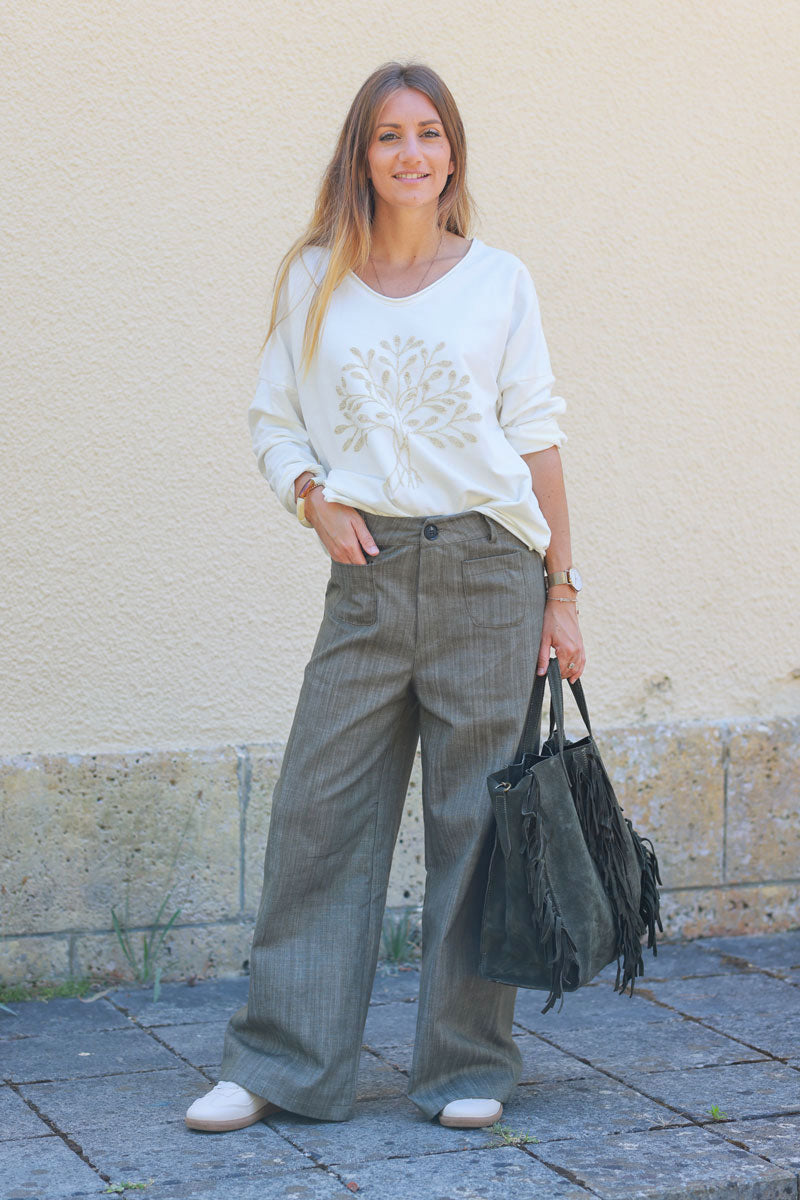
(410, 392)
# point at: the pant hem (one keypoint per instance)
(284, 1096)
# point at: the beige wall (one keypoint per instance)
(160, 158)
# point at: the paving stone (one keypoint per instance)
(732, 995)
(200, 1043)
(77, 1055)
(491, 1174)
(313, 1184)
(138, 1101)
(132, 1127)
(378, 1129)
(542, 1063)
(17, 1120)
(675, 960)
(390, 1025)
(395, 983)
(744, 1090)
(655, 1046)
(777, 1140)
(378, 1080)
(778, 1035)
(202, 1046)
(208, 1000)
(596, 1004)
(581, 1108)
(540, 1060)
(779, 952)
(46, 1169)
(669, 1164)
(396, 1056)
(35, 1017)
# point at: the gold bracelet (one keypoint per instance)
(567, 600)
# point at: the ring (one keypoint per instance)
(571, 666)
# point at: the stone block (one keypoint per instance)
(259, 773)
(179, 1003)
(728, 910)
(87, 831)
(27, 959)
(30, 1018)
(764, 801)
(203, 949)
(131, 1126)
(777, 1140)
(17, 1120)
(710, 997)
(82, 1055)
(407, 878)
(497, 1173)
(657, 1046)
(669, 1164)
(669, 781)
(44, 1168)
(745, 1089)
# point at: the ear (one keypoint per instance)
(451, 168)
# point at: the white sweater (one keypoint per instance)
(417, 405)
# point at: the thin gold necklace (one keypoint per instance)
(424, 277)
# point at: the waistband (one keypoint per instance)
(437, 529)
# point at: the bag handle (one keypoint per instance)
(532, 732)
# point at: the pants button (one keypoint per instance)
(431, 531)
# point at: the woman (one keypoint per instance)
(404, 412)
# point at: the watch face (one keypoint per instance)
(575, 578)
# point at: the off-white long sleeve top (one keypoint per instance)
(418, 405)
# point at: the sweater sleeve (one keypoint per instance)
(527, 409)
(281, 442)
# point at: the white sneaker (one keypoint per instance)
(227, 1106)
(471, 1113)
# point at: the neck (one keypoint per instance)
(402, 237)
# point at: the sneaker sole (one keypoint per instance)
(209, 1125)
(470, 1122)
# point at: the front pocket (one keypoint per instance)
(351, 593)
(494, 589)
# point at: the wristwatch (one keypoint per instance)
(307, 487)
(571, 576)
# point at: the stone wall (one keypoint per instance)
(82, 834)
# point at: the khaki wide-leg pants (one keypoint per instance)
(433, 640)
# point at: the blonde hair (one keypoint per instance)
(344, 207)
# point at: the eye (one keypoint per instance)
(435, 132)
(385, 136)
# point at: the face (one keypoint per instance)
(408, 159)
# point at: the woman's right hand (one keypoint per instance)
(341, 529)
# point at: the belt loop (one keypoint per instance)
(492, 530)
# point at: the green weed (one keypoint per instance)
(152, 942)
(124, 1187)
(400, 938)
(510, 1137)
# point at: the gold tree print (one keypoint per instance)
(409, 391)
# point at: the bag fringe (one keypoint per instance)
(601, 820)
(562, 955)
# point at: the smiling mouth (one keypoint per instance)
(407, 177)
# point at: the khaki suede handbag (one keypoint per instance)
(571, 884)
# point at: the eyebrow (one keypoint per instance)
(390, 125)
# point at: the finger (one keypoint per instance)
(544, 657)
(365, 537)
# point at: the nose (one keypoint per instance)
(411, 149)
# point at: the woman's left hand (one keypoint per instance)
(560, 630)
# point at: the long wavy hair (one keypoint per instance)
(345, 203)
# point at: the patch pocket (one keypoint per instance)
(495, 589)
(351, 593)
